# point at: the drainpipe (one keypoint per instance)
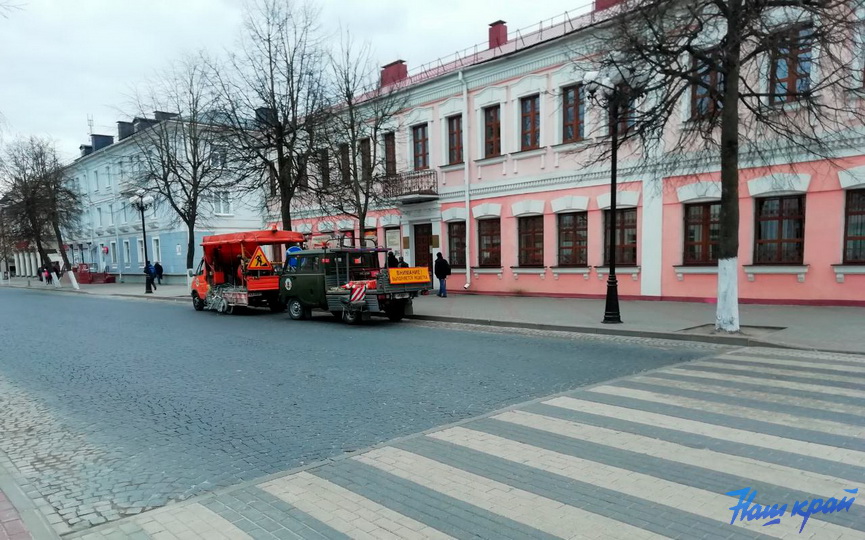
(466, 140)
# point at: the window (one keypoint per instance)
(127, 253)
(531, 240)
(530, 122)
(790, 65)
(302, 173)
(157, 250)
(626, 236)
(854, 227)
(222, 202)
(702, 231)
(324, 167)
(344, 163)
(573, 239)
(390, 154)
(111, 214)
(704, 96)
(141, 256)
(95, 180)
(780, 229)
(490, 242)
(125, 213)
(573, 113)
(99, 216)
(113, 252)
(218, 158)
(421, 147)
(101, 252)
(455, 140)
(366, 159)
(492, 132)
(457, 244)
(107, 177)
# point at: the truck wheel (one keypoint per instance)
(197, 302)
(297, 311)
(395, 312)
(352, 317)
(276, 305)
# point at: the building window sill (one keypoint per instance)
(453, 167)
(571, 270)
(634, 271)
(491, 160)
(217, 214)
(487, 271)
(842, 270)
(530, 153)
(458, 270)
(571, 146)
(695, 269)
(799, 270)
(540, 271)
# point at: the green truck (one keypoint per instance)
(350, 283)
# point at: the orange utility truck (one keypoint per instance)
(236, 271)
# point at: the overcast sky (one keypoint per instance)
(62, 60)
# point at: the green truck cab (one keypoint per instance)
(349, 283)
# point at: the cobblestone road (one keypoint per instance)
(115, 407)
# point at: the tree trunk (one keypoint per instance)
(285, 207)
(59, 238)
(190, 245)
(727, 314)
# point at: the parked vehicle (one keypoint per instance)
(235, 271)
(349, 283)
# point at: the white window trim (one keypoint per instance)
(127, 254)
(141, 254)
(345, 225)
(843, 269)
(303, 228)
(526, 208)
(569, 203)
(422, 115)
(112, 253)
(699, 192)
(853, 178)
(454, 214)
(155, 249)
(488, 97)
(779, 184)
(370, 222)
(326, 226)
(451, 107)
(799, 270)
(487, 210)
(624, 199)
(390, 220)
(526, 87)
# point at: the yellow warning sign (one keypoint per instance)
(259, 261)
(408, 275)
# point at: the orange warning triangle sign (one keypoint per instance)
(259, 261)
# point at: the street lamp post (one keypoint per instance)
(614, 94)
(142, 203)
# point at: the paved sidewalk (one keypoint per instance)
(642, 457)
(11, 525)
(840, 329)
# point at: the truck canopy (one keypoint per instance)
(229, 246)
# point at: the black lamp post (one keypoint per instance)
(142, 203)
(614, 97)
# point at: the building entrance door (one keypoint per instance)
(422, 241)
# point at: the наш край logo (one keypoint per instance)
(746, 508)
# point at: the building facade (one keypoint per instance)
(492, 165)
(111, 236)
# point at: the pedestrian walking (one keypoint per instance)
(442, 270)
(391, 260)
(402, 263)
(158, 268)
(149, 274)
(47, 275)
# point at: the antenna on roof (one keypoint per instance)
(90, 124)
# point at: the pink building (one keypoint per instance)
(493, 169)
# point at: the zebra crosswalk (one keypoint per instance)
(654, 455)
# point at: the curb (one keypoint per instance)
(33, 519)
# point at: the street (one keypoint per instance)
(113, 407)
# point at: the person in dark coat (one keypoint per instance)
(402, 263)
(149, 274)
(391, 260)
(158, 268)
(442, 270)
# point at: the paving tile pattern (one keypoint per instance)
(644, 457)
(11, 525)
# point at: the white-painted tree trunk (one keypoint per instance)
(727, 314)
(56, 280)
(74, 281)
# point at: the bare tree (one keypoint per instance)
(40, 200)
(352, 139)
(6, 239)
(760, 79)
(184, 157)
(272, 91)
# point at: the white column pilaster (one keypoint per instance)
(652, 237)
(35, 262)
(436, 231)
(17, 263)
